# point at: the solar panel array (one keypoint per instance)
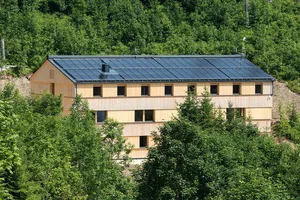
(151, 69)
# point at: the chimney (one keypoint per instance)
(105, 68)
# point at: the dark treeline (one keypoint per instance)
(34, 29)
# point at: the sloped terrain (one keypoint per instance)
(283, 96)
(22, 84)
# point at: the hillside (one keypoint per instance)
(34, 29)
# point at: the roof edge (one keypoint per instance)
(143, 56)
(62, 71)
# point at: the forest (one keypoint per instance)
(198, 154)
(33, 29)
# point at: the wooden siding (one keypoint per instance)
(164, 115)
(85, 90)
(201, 88)
(121, 116)
(267, 88)
(39, 87)
(135, 141)
(180, 89)
(248, 88)
(133, 90)
(66, 90)
(47, 74)
(43, 75)
(169, 103)
(137, 129)
(109, 90)
(139, 153)
(259, 113)
(225, 88)
(157, 89)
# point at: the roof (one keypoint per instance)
(185, 68)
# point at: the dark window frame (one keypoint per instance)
(144, 142)
(99, 89)
(147, 113)
(261, 87)
(119, 91)
(234, 89)
(144, 91)
(137, 117)
(215, 91)
(52, 88)
(170, 90)
(101, 119)
(192, 89)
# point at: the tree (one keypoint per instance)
(47, 104)
(196, 161)
(9, 154)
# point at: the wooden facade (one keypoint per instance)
(122, 108)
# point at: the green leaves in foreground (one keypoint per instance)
(193, 160)
(44, 155)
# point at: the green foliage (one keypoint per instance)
(196, 161)
(9, 155)
(47, 156)
(199, 112)
(47, 104)
(289, 124)
(111, 139)
(37, 28)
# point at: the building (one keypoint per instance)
(142, 92)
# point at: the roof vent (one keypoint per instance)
(105, 68)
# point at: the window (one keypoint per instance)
(168, 90)
(144, 115)
(51, 74)
(121, 91)
(97, 91)
(145, 90)
(138, 115)
(100, 116)
(236, 89)
(149, 115)
(214, 89)
(258, 89)
(52, 88)
(191, 89)
(143, 141)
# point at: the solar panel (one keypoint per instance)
(230, 62)
(245, 73)
(184, 62)
(179, 68)
(131, 63)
